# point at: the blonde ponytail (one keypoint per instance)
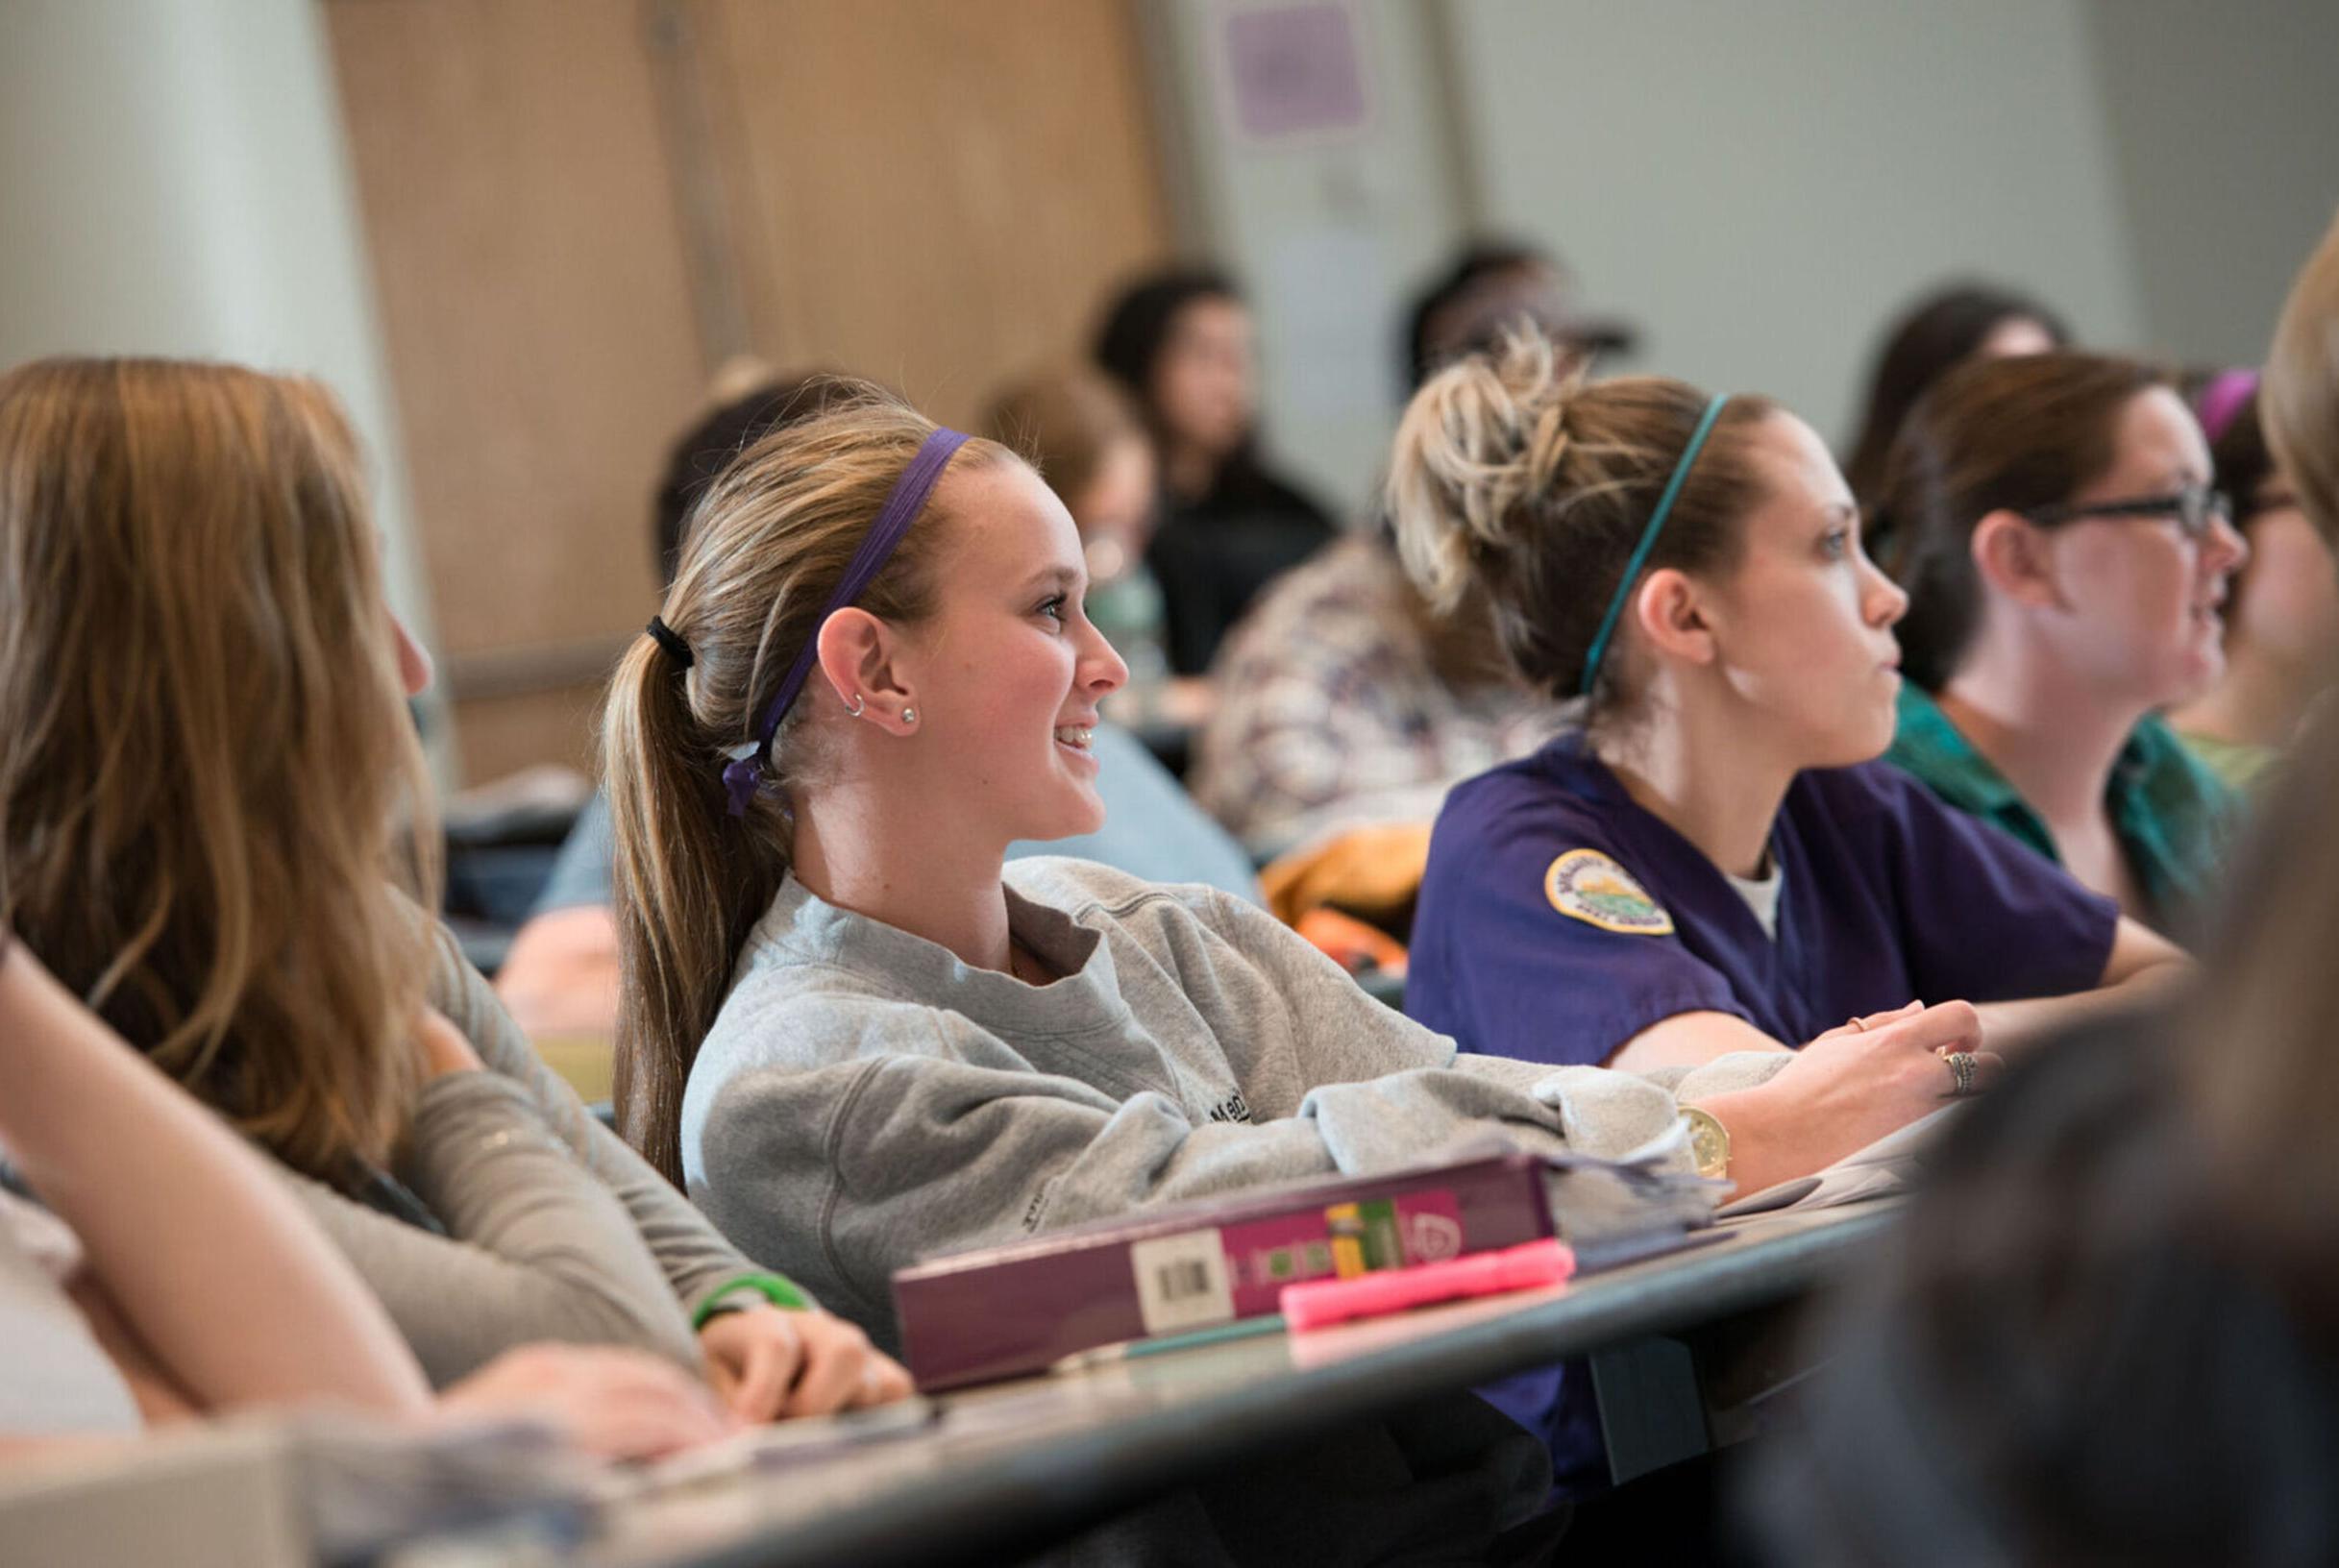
(1518, 479)
(1480, 439)
(765, 546)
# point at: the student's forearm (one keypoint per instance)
(536, 1247)
(1689, 1040)
(2013, 1026)
(2142, 969)
(694, 1256)
(235, 1291)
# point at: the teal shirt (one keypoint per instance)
(2173, 815)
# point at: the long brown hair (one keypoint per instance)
(765, 546)
(1516, 476)
(209, 748)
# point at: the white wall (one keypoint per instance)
(2225, 122)
(173, 181)
(1328, 233)
(1762, 185)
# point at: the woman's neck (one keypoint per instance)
(906, 869)
(2052, 737)
(1718, 790)
(1188, 469)
(2258, 701)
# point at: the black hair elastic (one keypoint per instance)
(671, 641)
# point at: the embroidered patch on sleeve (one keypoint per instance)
(1587, 886)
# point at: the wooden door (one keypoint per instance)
(577, 209)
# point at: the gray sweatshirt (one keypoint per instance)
(865, 1099)
(555, 1230)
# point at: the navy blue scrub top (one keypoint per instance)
(1557, 919)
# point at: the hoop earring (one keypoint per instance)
(855, 708)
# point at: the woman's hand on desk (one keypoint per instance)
(1847, 1089)
(769, 1363)
(611, 1402)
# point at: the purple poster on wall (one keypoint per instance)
(1295, 71)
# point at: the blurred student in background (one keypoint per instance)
(2282, 617)
(1083, 435)
(2299, 401)
(2067, 557)
(1489, 286)
(1180, 342)
(1344, 699)
(1077, 430)
(1933, 337)
(2108, 1330)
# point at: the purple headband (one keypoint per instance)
(2222, 399)
(745, 773)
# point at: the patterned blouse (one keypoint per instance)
(1331, 712)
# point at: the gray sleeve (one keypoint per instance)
(536, 1248)
(698, 1262)
(845, 1172)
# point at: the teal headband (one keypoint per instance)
(1648, 540)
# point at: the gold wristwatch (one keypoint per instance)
(1708, 1141)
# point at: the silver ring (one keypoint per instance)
(1964, 1073)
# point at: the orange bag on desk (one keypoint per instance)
(1340, 892)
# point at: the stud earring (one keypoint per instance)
(909, 715)
(855, 709)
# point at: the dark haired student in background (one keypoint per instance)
(1181, 343)
(1344, 701)
(1488, 287)
(1933, 337)
(2066, 553)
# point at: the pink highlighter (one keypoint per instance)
(1321, 1302)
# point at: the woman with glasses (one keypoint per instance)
(2067, 558)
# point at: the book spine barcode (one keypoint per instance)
(1182, 1280)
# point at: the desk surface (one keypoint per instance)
(1074, 1447)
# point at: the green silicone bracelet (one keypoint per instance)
(780, 1292)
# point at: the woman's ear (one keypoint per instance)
(2015, 558)
(857, 655)
(1671, 615)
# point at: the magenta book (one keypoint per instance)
(1006, 1311)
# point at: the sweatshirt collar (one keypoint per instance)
(801, 929)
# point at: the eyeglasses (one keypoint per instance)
(2196, 510)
